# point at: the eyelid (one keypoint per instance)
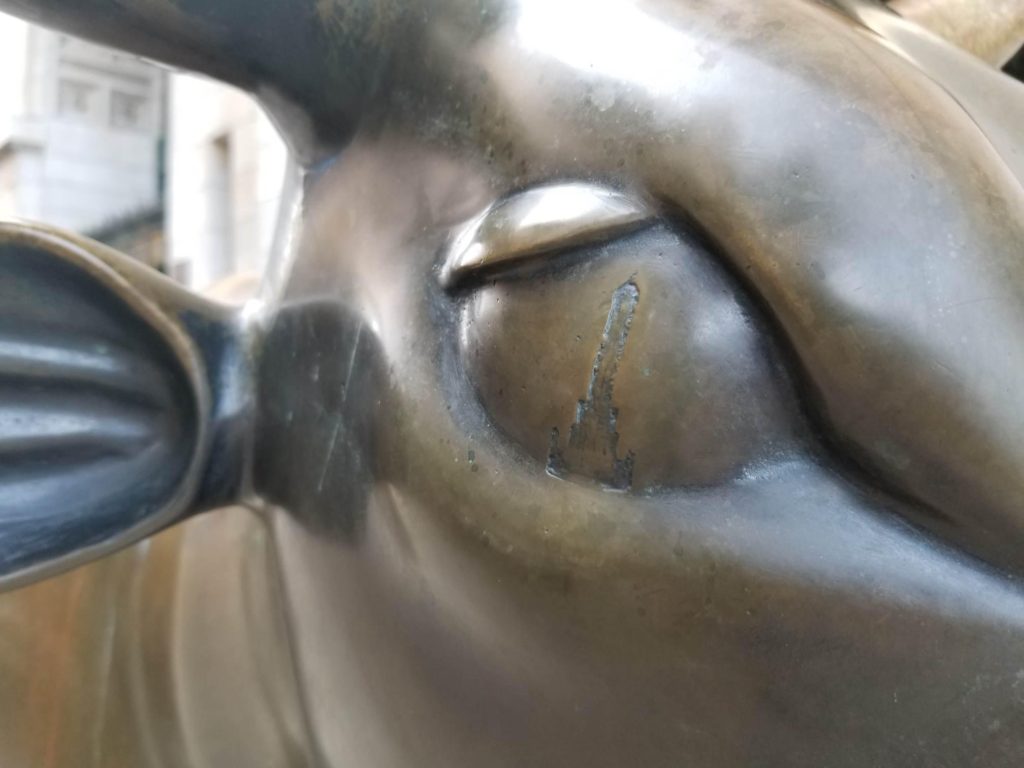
(540, 221)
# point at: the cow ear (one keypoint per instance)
(106, 401)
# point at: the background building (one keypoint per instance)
(176, 170)
(227, 166)
(81, 132)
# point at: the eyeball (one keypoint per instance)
(621, 353)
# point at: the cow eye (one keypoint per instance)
(610, 344)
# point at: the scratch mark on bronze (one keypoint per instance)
(351, 364)
(593, 444)
(335, 430)
(337, 420)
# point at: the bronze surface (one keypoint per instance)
(732, 480)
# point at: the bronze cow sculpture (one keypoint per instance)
(641, 384)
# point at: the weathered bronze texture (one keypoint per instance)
(641, 385)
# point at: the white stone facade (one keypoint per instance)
(227, 166)
(80, 130)
(81, 147)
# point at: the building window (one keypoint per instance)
(75, 97)
(127, 110)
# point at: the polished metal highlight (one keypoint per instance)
(639, 383)
(538, 221)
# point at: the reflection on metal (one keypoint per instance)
(546, 220)
(758, 263)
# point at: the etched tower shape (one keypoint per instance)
(593, 443)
